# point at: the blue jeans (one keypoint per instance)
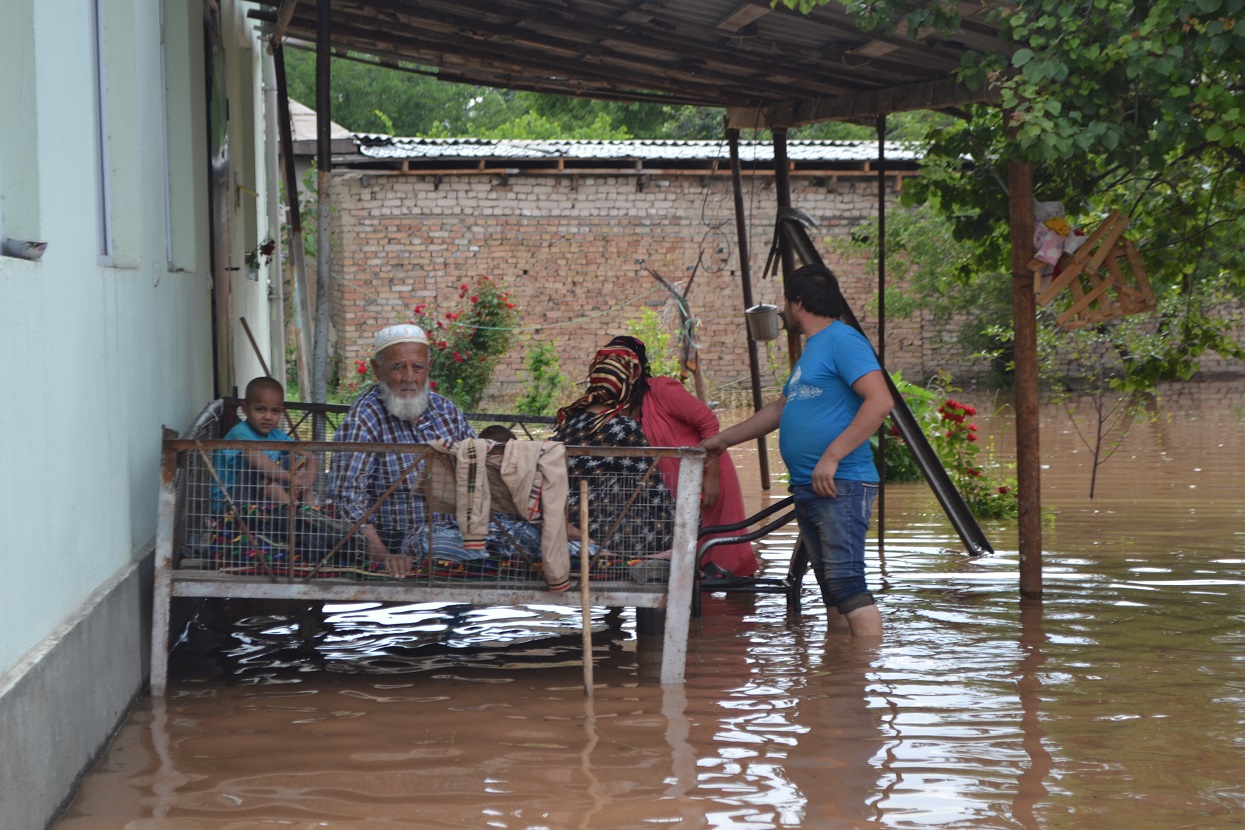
(834, 530)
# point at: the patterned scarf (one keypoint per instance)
(611, 377)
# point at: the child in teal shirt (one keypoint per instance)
(263, 476)
(257, 488)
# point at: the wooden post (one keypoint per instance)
(272, 163)
(1024, 313)
(293, 212)
(745, 278)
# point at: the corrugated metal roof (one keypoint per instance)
(644, 150)
(798, 67)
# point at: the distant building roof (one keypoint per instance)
(633, 153)
(303, 130)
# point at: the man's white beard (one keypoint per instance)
(406, 407)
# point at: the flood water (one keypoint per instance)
(1116, 702)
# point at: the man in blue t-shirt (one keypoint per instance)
(836, 398)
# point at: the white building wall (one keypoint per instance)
(98, 351)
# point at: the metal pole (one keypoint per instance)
(782, 188)
(585, 603)
(1024, 313)
(324, 205)
(881, 500)
(745, 278)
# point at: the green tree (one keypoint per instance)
(368, 97)
(1117, 105)
(532, 126)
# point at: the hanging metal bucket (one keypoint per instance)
(764, 322)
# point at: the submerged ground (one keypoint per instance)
(1116, 702)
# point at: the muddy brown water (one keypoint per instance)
(1116, 702)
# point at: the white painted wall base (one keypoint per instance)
(60, 704)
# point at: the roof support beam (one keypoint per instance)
(862, 107)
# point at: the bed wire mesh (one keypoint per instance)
(232, 521)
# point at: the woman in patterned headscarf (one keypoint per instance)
(641, 526)
(670, 416)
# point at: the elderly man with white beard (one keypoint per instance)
(399, 409)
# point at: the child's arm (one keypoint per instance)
(303, 478)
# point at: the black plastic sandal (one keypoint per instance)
(713, 575)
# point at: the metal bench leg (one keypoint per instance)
(162, 590)
(160, 641)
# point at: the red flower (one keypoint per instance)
(974, 471)
(972, 427)
(509, 305)
(969, 410)
(971, 437)
(361, 367)
(458, 358)
(451, 315)
(433, 384)
(419, 309)
(1004, 490)
(442, 345)
(475, 298)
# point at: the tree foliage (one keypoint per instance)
(1119, 106)
(368, 97)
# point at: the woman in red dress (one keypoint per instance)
(670, 416)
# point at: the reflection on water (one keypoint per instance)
(1117, 702)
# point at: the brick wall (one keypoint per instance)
(573, 251)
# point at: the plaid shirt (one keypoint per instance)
(357, 480)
